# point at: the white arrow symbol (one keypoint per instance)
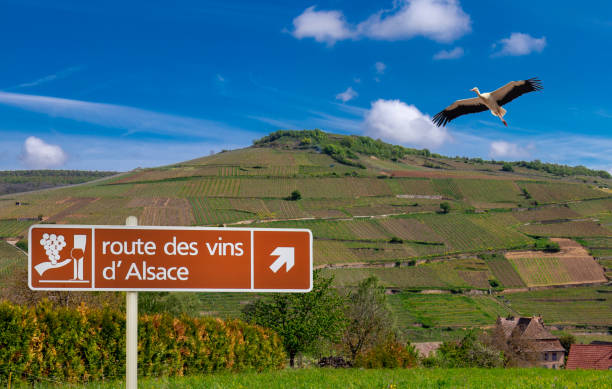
(285, 255)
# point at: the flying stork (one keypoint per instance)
(492, 101)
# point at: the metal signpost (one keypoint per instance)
(135, 258)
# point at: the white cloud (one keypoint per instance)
(122, 117)
(457, 52)
(396, 121)
(347, 95)
(323, 26)
(520, 44)
(439, 20)
(503, 149)
(37, 154)
(380, 67)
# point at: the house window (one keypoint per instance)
(554, 355)
(546, 356)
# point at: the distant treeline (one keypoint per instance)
(550, 168)
(344, 149)
(14, 181)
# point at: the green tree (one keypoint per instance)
(369, 319)
(295, 195)
(507, 167)
(445, 207)
(301, 319)
(469, 352)
(566, 341)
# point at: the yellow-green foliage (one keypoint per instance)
(390, 354)
(78, 345)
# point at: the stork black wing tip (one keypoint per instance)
(535, 83)
(440, 119)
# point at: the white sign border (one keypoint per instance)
(175, 228)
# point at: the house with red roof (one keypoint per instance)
(590, 356)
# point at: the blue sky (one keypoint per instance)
(117, 85)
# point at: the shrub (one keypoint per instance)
(547, 245)
(390, 354)
(80, 345)
(23, 244)
(395, 239)
(506, 167)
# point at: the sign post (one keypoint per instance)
(134, 258)
(131, 330)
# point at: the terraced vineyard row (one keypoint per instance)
(560, 192)
(589, 306)
(489, 191)
(568, 229)
(504, 272)
(446, 309)
(541, 271)
(432, 275)
(211, 187)
(10, 259)
(211, 211)
(546, 213)
(592, 207)
(447, 187)
(473, 232)
(14, 227)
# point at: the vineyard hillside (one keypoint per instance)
(456, 241)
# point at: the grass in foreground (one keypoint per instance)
(380, 379)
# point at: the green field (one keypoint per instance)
(369, 379)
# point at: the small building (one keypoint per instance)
(529, 337)
(427, 349)
(590, 356)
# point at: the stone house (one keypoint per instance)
(528, 337)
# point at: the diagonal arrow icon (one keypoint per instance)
(286, 255)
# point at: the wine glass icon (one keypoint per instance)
(78, 253)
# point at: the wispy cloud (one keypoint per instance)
(380, 67)
(133, 120)
(51, 77)
(520, 44)
(507, 150)
(455, 53)
(347, 95)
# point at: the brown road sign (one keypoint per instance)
(112, 258)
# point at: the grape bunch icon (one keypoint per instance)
(53, 244)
